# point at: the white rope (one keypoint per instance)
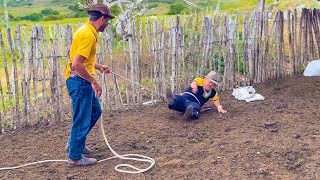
(119, 168)
(116, 155)
(133, 157)
(137, 84)
(33, 163)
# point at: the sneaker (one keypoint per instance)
(188, 113)
(82, 162)
(169, 96)
(86, 150)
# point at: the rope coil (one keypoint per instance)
(119, 168)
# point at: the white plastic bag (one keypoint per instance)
(247, 93)
(312, 69)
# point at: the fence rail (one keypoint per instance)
(154, 54)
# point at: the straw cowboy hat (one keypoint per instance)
(214, 77)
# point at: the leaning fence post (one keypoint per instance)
(9, 92)
(3, 112)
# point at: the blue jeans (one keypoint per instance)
(86, 111)
(181, 103)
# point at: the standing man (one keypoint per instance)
(195, 96)
(82, 86)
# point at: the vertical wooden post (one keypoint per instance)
(131, 51)
(304, 56)
(251, 45)
(196, 44)
(311, 48)
(138, 65)
(149, 37)
(282, 50)
(32, 57)
(3, 112)
(245, 33)
(296, 40)
(291, 43)
(192, 61)
(124, 39)
(162, 59)
(315, 26)
(58, 40)
(40, 59)
(266, 59)
(16, 119)
(202, 47)
(261, 5)
(173, 54)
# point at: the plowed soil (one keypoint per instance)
(278, 138)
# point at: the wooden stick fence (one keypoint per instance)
(154, 55)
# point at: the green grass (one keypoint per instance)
(39, 5)
(46, 24)
(162, 9)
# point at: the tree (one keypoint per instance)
(177, 8)
(128, 11)
(115, 10)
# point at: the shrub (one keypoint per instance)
(32, 17)
(80, 14)
(177, 8)
(72, 7)
(49, 11)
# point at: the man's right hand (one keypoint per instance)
(195, 89)
(97, 88)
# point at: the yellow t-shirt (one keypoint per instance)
(200, 82)
(84, 43)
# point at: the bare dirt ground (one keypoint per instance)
(277, 138)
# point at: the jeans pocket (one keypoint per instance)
(73, 90)
(74, 94)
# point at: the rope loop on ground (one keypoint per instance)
(119, 168)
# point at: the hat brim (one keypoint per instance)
(99, 14)
(110, 16)
(213, 81)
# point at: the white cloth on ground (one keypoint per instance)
(312, 69)
(247, 93)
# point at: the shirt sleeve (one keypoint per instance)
(199, 81)
(216, 97)
(85, 46)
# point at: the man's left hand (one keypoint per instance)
(104, 69)
(221, 110)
